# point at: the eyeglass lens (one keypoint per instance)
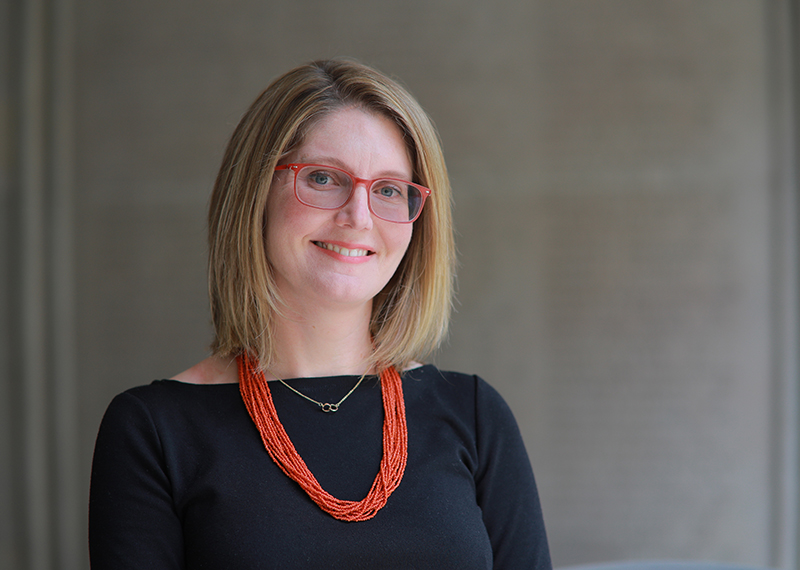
(330, 188)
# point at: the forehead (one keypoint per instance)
(354, 138)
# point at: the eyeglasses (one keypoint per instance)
(330, 188)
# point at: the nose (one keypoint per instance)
(356, 214)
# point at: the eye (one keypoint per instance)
(320, 178)
(388, 190)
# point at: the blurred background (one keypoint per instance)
(624, 175)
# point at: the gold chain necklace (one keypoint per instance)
(326, 407)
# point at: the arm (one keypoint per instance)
(505, 486)
(132, 519)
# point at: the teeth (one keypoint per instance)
(343, 250)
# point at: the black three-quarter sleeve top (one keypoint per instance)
(181, 480)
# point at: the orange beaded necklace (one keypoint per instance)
(258, 400)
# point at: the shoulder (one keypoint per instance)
(165, 403)
(430, 383)
(431, 373)
(428, 379)
(431, 377)
(150, 396)
(167, 422)
(212, 370)
(137, 407)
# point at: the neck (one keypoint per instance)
(322, 344)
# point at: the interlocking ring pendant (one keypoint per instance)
(326, 407)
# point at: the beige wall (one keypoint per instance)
(625, 212)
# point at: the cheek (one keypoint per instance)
(285, 218)
(401, 236)
(278, 245)
(402, 239)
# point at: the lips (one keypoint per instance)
(343, 250)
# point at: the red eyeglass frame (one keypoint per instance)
(296, 166)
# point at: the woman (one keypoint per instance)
(313, 437)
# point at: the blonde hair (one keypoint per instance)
(411, 314)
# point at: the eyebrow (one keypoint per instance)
(331, 161)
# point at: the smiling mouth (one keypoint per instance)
(343, 250)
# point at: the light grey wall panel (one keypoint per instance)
(616, 244)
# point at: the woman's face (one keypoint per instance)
(338, 258)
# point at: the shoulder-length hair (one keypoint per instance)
(411, 314)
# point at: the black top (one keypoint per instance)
(181, 479)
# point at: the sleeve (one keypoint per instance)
(132, 519)
(505, 486)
